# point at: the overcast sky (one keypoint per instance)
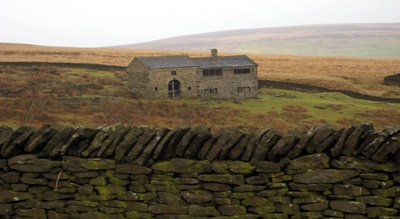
(96, 23)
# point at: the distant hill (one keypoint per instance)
(357, 40)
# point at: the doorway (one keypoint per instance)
(174, 88)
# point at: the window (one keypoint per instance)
(212, 72)
(173, 72)
(189, 88)
(243, 89)
(241, 71)
(211, 90)
(155, 88)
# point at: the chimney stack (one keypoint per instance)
(214, 53)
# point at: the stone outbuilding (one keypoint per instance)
(184, 76)
(392, 80)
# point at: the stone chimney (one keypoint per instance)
(214, 53)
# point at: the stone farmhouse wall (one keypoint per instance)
(229, 83)
(138, 78)
(137, 172)
(153, 83)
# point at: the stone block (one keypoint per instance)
(238, 149)
(110, 189)
(147, 152)
(372, 147)
(302, 144)
(267, 167)
(262, 210)
(350, 190)
(170, 198)
(132, 169)
(78, 142)
(50, 204)
(387, 193)
(197, 196)
(248, 188)
(308, 162)
(282, 148)
(10, 177)
(76, 164)
(255, 180)
(133, 196)
(325, 176)
(98, 181)
(252, 144)
(11, 196)
(31, 213)
(142, 143)
(319, 206)
(355, 139)
(242, 195)
(280, 199)
(375, 176)
(290, 209)
(380, 211)
(311, 214)
(333, 213)
(309, 187)
(6, 210)
(188, 138)
(19, 187)
(224, 138)
(59, 138)
(222, 178)
(264, 146)
(183, 166)
(127, 205)
(352, 207)
(356, 163)
(168, 209)
(198, 210)
(217, 187)
(336, 151)
(256, 202)
(31, 163)
(130, 139)
(273, 192)
(16, 142)
(232, 210)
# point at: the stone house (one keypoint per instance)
(392, 80)
(184, 76)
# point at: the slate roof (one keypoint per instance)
(154, 62)
(159, 62)
(224, 61)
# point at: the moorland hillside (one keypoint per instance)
(354, 40)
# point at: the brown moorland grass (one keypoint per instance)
(38, 94)
(363, 75)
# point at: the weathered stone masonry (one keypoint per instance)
(136, 172)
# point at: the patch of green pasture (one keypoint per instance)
(330, 106)
(78, 72)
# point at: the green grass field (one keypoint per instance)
(376, 47)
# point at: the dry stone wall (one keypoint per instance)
(187, 172)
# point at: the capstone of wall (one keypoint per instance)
(137, 172)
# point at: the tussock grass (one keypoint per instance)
(363, 75)
(91, 97)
